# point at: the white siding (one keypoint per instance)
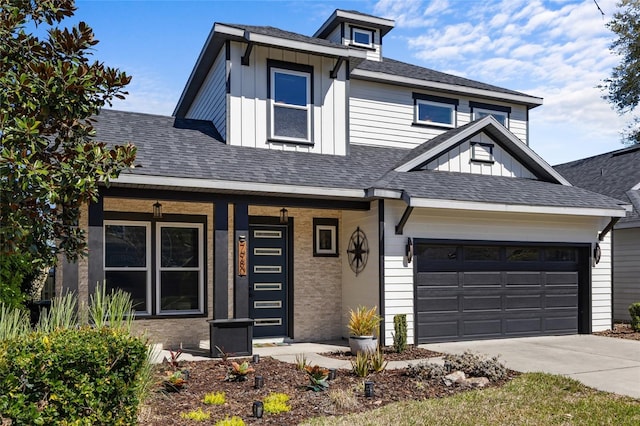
(249, 107)
(601, 289)
(382, 115)
(464, 225)
(335, 36)
(363, 289)
(211, 101)
(458, 159)
(626, 271)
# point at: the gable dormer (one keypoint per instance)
(356, 29)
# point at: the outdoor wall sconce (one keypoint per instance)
(157, 210)
(284, 216)
(597, 254)
(258, 409)
(408, 250)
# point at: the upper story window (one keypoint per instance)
(434, 110)
(499, 112)
(361, 37)
(482, 152)
(290, 106)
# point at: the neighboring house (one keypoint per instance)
(304, 176)
(616, 174)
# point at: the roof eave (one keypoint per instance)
(339, 16)
(529, 101)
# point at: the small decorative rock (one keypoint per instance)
(477, 382)
(456, 377)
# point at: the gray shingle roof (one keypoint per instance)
(193, 149)
(613, 174)
(493, 189)
(393, 67)
(287, 35)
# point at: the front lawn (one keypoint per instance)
(530, 399)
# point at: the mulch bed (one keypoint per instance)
(208, 376)
(410, 353)
(620, 331)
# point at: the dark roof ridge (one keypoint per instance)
(614, 153)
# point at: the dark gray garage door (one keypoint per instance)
(489, 290)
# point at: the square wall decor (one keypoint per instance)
(325, 237)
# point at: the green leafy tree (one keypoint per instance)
(50, 164)
(623, 87)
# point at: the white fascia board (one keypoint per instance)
(267, 40)
(636, 187)
(513, 208)
(228, 185)
(531, 101)
(374, 20)
(385, 193)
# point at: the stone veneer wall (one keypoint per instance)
(317, 281)
(171, 333)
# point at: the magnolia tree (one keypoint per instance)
(51, 164)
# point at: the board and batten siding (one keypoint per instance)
(382, 114)
(361, 290)
(484, 226)
(211, 101)
(626, 271)
(458, 159)
(249, 101)
(373, 54)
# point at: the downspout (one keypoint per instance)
(608, 228)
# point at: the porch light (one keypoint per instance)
(284, 216)
(157, 210)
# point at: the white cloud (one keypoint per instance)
(148, 93)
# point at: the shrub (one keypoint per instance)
(343, 399)
(317, 378)
(476, 365)
(215, 398)
(363, 321)
(400, 332)
(197, 415)
(426, 371)
(276, 403)
(634, 311)
(361, 365)
(238, 372)
(377, 361)
(230, 421)
(84, 375)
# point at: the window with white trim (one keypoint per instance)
(482, 152)
(176, 278)
(361, 37)
(502, 117)
(433, 110)
(290, 105)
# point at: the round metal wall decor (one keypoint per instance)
(358, 251)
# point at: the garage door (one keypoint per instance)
(489, 290)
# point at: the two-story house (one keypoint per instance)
(302, 176)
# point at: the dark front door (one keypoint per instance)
(268, 279)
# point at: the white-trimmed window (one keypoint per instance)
(434, 110)
(127, 261)
(502, 117)
(176, 278)
(362, 37)
(499, 112)
(482, 152)
(180, 268)
(290, 110)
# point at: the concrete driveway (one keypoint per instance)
(604, 363)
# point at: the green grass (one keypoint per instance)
(530, 399)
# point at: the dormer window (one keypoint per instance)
(290, 102)
(361, 37)
(482, 152)
(434, 110)
(499, 112)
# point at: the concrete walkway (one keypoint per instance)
(603, 363)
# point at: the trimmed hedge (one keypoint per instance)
(81, 376)
(634, 312)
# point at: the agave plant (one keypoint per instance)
(238, 372)
(317, 378)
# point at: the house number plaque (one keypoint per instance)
(242, 257)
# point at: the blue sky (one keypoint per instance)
(557, 50)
